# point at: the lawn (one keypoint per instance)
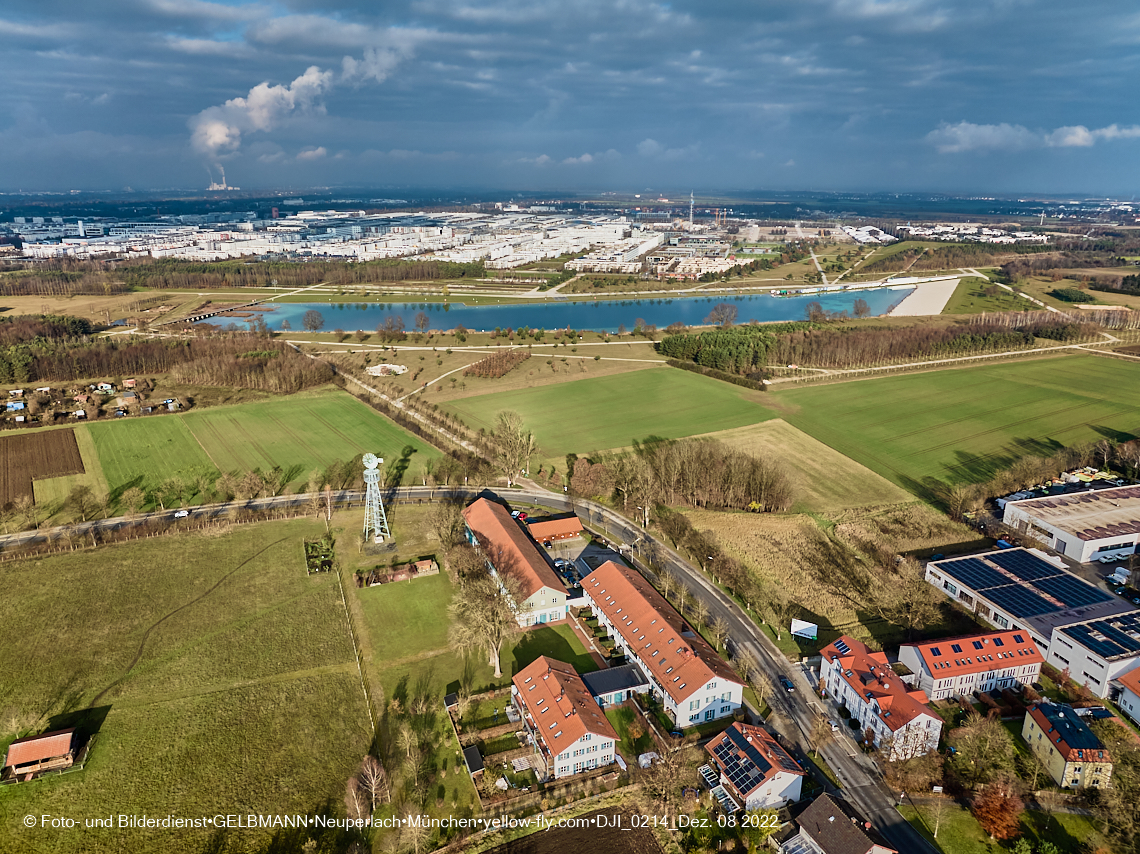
(961, 425)
(960, 833)
(409, 617)
(824, 479)
(620, 718)
(970, 298)
(139, 451)
(228, 684)
(299, 432)
(611, 412)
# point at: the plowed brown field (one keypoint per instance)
(28, 456)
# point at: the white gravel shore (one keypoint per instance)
(928, 298)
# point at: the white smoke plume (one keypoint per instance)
(217, 131)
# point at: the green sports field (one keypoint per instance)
(611, 412)
(961, 425)
(299, 433)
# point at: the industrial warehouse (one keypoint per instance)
(1090, 633)
(1083, 526)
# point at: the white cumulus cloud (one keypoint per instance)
(312, 153)
(967, 136)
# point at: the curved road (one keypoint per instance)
(861, 782)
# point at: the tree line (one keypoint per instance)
(950, 257)
(747, 350)
(689, 472)
(216, 361)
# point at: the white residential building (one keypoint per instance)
(862, 681)
(509, 551)
(693, 683)
(960, 666)
(567, 727)
(755, 770)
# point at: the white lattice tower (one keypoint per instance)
(375, 520)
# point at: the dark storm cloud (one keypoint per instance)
(985, 95)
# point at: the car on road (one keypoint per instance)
(181, 514)
(787, 684)
(834, 726)
(1108, 559)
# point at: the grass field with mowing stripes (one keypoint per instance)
(299, 433)
(309, 430)
(611, 412)
(961, 425)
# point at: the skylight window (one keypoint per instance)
(999, 642)
(1018, 639)
(978, 644)
(957, 647)
(935, 651)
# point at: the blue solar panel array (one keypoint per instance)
(1022, 600)
(1024, 565)
(1106, 639)
(973, 573)
(1019, 601)
(1072, 591)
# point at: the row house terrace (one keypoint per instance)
(566, 726)
(509, 551)
(960, 666)
(693, 683)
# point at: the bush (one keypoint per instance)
(1069, 294)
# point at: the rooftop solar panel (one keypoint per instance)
(1106, 647)
(1019, 601)
(1024, 565)
(1073, 592)
(973, 573)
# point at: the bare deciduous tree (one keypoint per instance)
(482, 616)
(718, 628)
(513, 444)
(373, 780)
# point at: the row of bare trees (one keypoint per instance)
(497, 364)
(692, 472)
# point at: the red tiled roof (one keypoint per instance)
(33, 748)
(548, 528)
(769, 758)
(1131, 680)
(997, 650)
(681, 663)
(869, 674)
(560, 705)
(518, 554)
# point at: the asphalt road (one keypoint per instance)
(861, 783)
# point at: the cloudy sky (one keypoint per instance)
(964, 96)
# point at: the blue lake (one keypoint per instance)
(597, 315)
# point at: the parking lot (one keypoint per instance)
(576, 558)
